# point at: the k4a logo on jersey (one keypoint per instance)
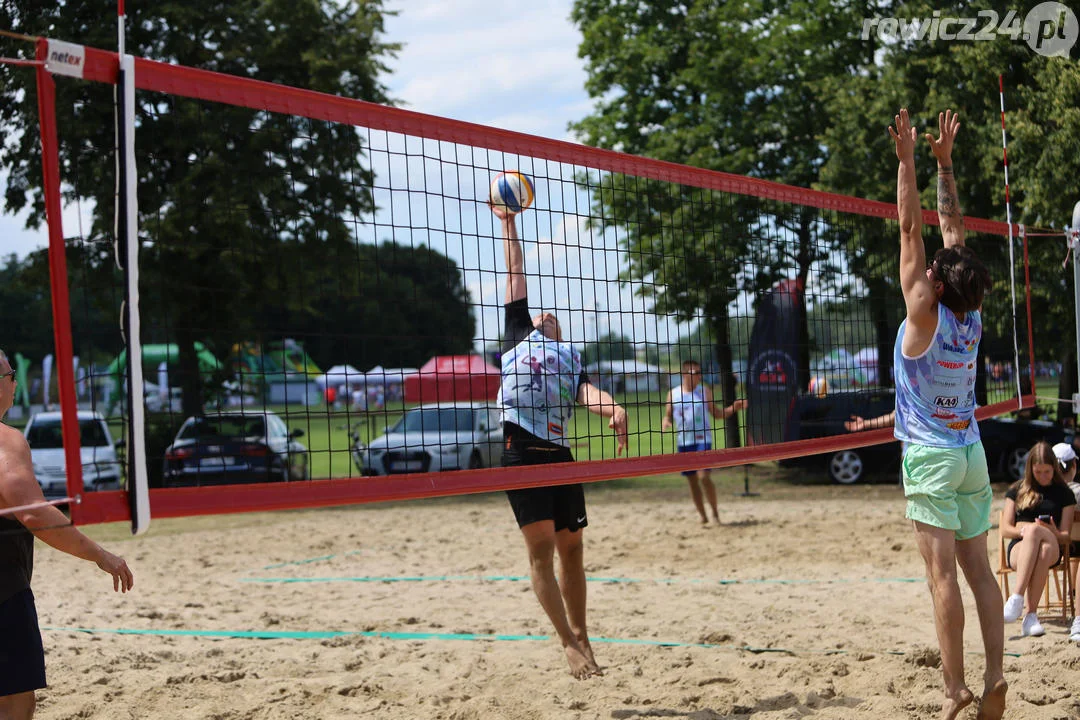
(946, 401)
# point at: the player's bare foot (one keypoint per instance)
(704, 520)
(586, 649)
(992, 705)
(581, 666)
(953, 705)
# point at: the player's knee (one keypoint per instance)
(542, 552)
(18, 707)
(1048, 553)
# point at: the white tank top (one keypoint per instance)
(692, 414)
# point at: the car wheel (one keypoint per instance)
(1013, 463)
(846, 467)
(475, 461)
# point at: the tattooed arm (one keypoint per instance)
(949, 215)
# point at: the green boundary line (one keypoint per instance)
(329, 634)
(609, 580)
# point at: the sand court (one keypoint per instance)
(809, 601)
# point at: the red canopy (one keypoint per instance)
(448, 378)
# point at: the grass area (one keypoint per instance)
(327, 436)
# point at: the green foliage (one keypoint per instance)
(243, 213)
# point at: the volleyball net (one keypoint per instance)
(312, 292)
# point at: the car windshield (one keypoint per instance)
(46, 434)
(227, 426)
(436, 420)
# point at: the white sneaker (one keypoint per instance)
(1074, 631)
(1014, 606)
(1031, 627)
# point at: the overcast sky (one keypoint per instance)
(515, 70)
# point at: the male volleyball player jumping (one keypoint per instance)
(945, 476)
(22, 659)
(542, 377)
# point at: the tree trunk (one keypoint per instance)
(883, 331)
(190, 381)
(805, 261)
(721, 328)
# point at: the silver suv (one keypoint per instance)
(100, 466)
(430, 438)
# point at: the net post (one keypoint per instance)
(58, 279)
(746, 483)
(127, 239)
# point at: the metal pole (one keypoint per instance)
(1073, 238)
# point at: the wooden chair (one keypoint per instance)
(1060, 576)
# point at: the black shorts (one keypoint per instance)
(1015, 541)
(563, 504)
(22, 656)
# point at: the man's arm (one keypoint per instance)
(715, 409)
(919, 295)
(516, 288)
(669, 413)
(950, 217)
(858, 424)
(600, 403)
(18, 487)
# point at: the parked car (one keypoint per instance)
(100, 466)
(234, 447)
(430, 438)
(1006, 439)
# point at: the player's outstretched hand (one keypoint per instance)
(948, 125)
(855, 424)
(619, 425)
(903, 136)
(740, 404)
(116, 566)
(500, 211)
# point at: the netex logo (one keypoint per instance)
(65, 59)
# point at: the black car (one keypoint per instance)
(234, 447)
(1006, 439)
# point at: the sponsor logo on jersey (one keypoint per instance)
(949, 347)
(950, 365)
(944, 415)
(961, 425)
(946, 401)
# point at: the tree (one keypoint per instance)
(220, 186)
(1042, 96)
(736, 87)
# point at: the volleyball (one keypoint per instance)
(512, 190)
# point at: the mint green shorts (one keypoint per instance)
(948, 488)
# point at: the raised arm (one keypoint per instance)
(948, 204)
(516, 288)
(919, 295)
(600, 403)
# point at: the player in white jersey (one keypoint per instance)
(944, 469)
(689, 408)
(542, 378)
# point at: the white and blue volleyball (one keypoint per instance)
(512, 190)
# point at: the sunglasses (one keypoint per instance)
(10, 374)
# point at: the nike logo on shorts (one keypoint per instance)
(581, 519)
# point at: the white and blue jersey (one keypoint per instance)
(935, 392)
(540, 378)
(691, 413)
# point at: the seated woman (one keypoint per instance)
(1037, 519)
(1066, 455)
